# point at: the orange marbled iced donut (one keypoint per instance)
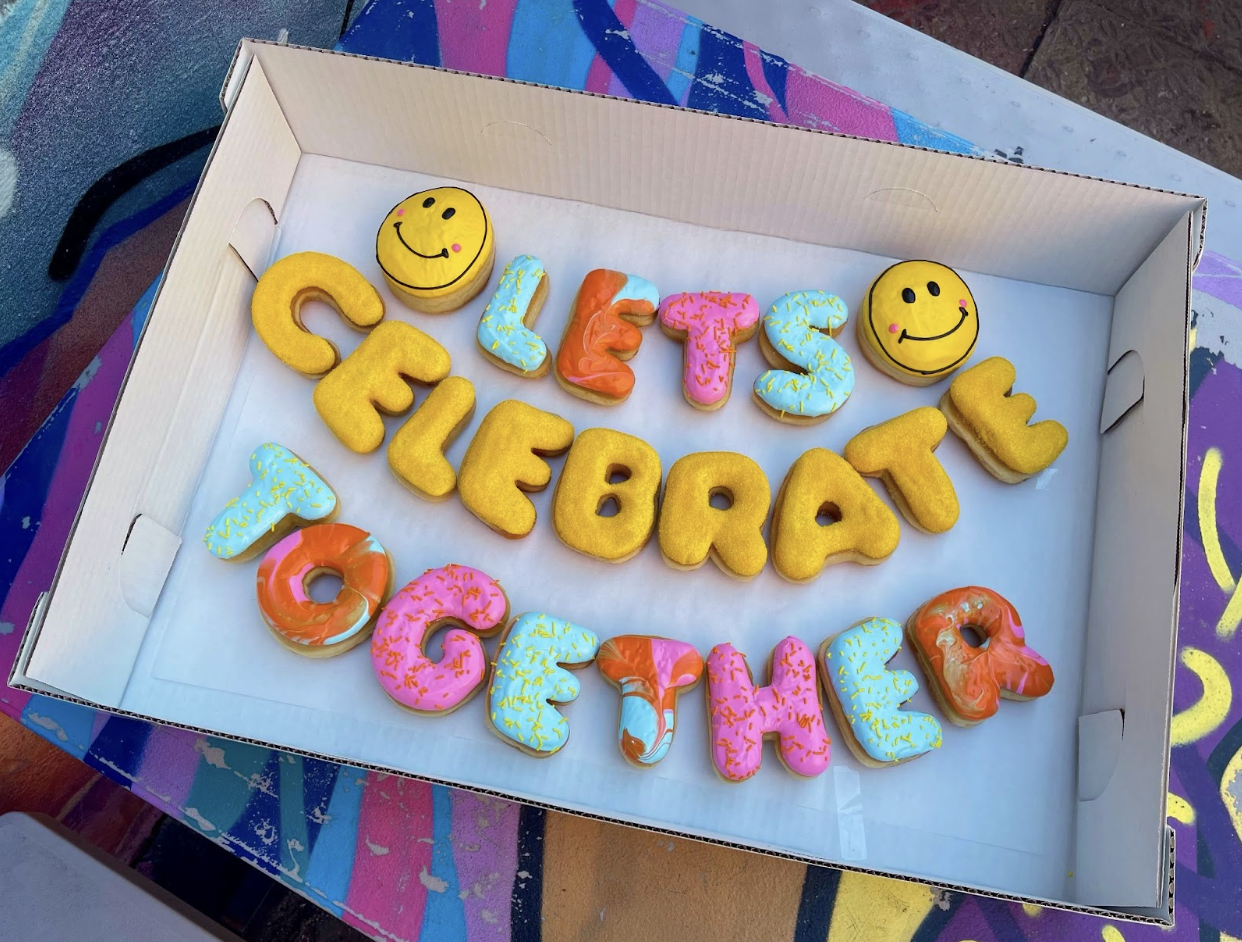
(968, 682)
(321, 629)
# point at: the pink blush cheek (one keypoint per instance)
(893, 328)
(401, 212)
(456, 247)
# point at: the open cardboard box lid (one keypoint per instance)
(1133, 244)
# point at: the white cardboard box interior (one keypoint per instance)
(205, 659)
(206, 644)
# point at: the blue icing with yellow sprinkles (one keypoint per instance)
(502, 332)
(528, 676)
(281, 484)
(793, 326)
(871, 696)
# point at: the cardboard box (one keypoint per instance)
(1059, 801)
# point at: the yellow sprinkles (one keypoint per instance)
(528, 679)
(281, 484)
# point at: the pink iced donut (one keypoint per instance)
(788, 709)
(711, 324)
(460, 596)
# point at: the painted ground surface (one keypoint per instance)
(404, 860)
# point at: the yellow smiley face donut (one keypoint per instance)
(918, 322)
(436, 249)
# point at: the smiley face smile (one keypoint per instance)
(906, 335)
(443, 253)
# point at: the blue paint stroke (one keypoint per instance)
(613, 43)
(404, 30)
(445, 915)
(722, 84)
(293, 839)
(681, 78)
(27, 29)
(117, 750)
(776, 74)
(142, 309)
(332, 853)
(913, 131)
(53, 719)
(26, 485)
(546, 45)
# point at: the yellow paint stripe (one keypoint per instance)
(1032, 910)
(1232, 614)
(870, 907)
(1208, 532)
(1195, 722)
(1180, 810)
(1112, 934)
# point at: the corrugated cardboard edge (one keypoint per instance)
(1164, 920)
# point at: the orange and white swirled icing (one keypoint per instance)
(743, 714)
(452, 594)
(602, 330)
(972, 680)
(352, 554)
(650, 673)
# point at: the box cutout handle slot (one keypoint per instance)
(903, 196)
(1123, 389)
(1099, 749)
(255, 235)
(515, 131)
(146, 559)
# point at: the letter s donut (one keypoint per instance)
(968, 682)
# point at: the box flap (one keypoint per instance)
(1127, 682)
(800, 184)
(149, 465)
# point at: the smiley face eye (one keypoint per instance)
(428, 202)
(933, 289)
(448, 213)
(907, 295)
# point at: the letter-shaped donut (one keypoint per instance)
(813, 375)
(505, 334)
(276, 307)
(691, 529)
(416, 452)
(651, 673)
(821, 482)
(585, 485)
(866, 697)
(902, 453)
(373, 381)
(530, 677)
(711, 324)
(603, 330)
(322, 629)
(469, 600)
(284, 493)
(788, 710)
(968, 682)
(505, 462)
(993, 423)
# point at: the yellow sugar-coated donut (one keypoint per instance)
(276, 307)
(993, 423)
